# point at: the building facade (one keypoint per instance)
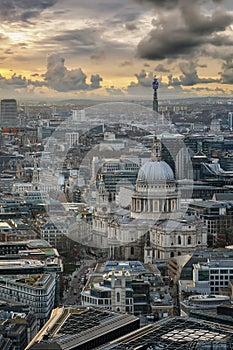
(9, 113)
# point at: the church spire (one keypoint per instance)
(156, 148)
(35, 174)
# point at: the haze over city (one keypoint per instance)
(101, 49)
(116, 174)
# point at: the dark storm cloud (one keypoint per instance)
(81, 37)
(183, 31)
(167, 4)
(87, 41)
(189, 76)
(59, 78)
(202, 24)
(22, 10)
(227, 72)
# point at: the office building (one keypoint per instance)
(230, 120)
(9, 113)
(37, 291)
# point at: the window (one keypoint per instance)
(189, 239)
(132, 251)
(179, 240)
(118, 297)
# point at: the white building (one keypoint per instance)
(113, 292)
(37, 291)
(209, 277)
(72, 138)
(230, 120)
(155, 207)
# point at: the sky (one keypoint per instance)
(112, 49)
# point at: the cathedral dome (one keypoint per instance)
(155, 171)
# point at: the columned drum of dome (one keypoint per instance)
(156, 196)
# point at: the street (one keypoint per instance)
(77, 281)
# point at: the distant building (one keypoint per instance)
(54, 233)
(230, 120)
(218, 217)
(9, 113)
(72, 138)
(201, 302)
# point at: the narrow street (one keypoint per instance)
(77, 281)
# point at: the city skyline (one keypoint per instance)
(101, 50)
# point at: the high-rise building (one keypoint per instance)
(230, 120)
(9, 113)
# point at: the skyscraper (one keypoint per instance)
(230, 120)
(9, 113)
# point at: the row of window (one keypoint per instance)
(219, 283)
(217, 277)
(221, 271)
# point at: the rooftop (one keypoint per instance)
(126, 265)
(175, 333)
(71, 327)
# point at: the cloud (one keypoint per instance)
(81, 37)
(167, 4)
(59, 78)
(131, 26)
(22, 10)
(161, 68)
(89, 41)
(112, 90)
(183, 31)
(227, 73)
(95, 81)
(143, 79)
(189, 76)
(98, 56)
(207, 89)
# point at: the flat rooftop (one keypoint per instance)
(126, 265)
